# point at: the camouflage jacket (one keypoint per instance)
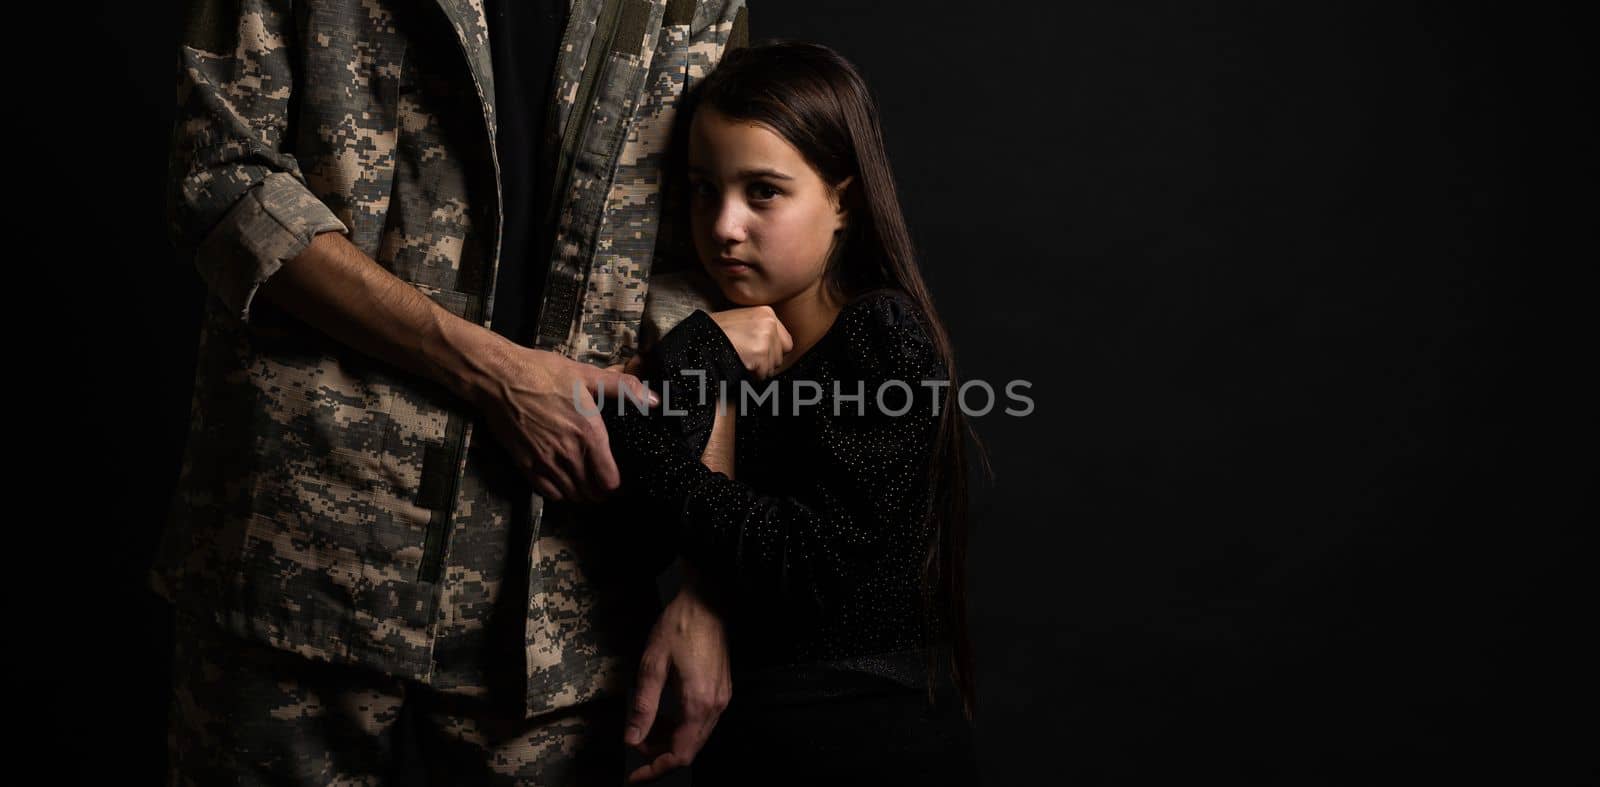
(335, 506)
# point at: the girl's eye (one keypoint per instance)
(699, 188)
(762, 191)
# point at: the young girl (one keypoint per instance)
(833, 540)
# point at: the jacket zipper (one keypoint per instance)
(432, 563)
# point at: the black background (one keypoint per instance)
(1290, 282)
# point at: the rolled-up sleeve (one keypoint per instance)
(238, 205)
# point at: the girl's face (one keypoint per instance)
(763, 219)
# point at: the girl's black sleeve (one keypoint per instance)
(864, 500)
(689, 368)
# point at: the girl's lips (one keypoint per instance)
(732, 265)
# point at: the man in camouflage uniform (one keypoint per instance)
(342, 551)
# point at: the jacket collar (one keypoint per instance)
(472, 30)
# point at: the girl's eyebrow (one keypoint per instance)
(748, 174)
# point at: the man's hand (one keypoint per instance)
(527, 395)
(688, 640)
(541, 407)
(758, 335)
(631, 367)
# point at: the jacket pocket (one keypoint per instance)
(324, 481)
(348, 454)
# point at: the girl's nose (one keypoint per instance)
(730, 223)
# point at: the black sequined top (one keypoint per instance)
(816, 546)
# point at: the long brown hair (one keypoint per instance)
(817, 101)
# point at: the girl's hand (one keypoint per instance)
(759, 337)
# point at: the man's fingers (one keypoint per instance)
(689, 736)
(600, 466)
(545, 489)
(700, 713)
(615, 384)
(722, 695)
(647, 695)
(641, 392)
(555, 479)
(585, 456)
(573, 463)
(686, 741)
(655, 769)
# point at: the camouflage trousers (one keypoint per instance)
(250, 714)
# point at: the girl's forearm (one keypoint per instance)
(719, 448)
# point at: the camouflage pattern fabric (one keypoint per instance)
(336, 508)
(607, 232)
(675, 296)
(249, 714)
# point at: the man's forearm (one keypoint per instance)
(338, 289)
